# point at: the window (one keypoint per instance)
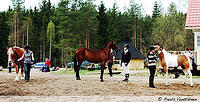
(198, 41)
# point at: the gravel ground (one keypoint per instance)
(50, 84)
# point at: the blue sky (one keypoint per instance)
(147, 5)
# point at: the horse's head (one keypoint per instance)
(14, 53)
(113, 45)
(158, 49)
(10, 53)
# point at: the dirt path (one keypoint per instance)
(49, 84)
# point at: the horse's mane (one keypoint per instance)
(19, 50)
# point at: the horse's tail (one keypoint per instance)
(75, 63)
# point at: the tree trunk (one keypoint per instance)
(41, 52)
(17, 30)
(88, 39)
(27, 34)
(50, 47)
(135, 34)
(79, 36)
(140, 39)
(15, 19)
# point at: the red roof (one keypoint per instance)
(193, 14)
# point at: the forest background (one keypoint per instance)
(57, 31)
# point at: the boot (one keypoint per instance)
(126, 78)
(151, 84)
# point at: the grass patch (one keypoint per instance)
(7, 71)
(195, 76)
(82, 72)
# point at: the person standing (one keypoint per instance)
(28, 60)
(152, 58)
(47, 63)
(126, 57)
(110, 62)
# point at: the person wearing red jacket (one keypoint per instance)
(47, 63)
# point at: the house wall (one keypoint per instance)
(197, 45)
(135, 64)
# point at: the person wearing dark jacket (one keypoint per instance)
(126, 57)
(152, 58)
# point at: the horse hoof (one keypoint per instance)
(22, 78)
(167, 85)
(78, 79)
(101, 80)
(191, 86)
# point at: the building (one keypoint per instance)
(193, 23)
(137, 59)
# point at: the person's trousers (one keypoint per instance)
(110, 68)
(126, 68)
(152, 70)
(27, 71)
(47, 69)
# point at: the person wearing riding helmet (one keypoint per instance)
(152, 58)
(126, 57)
(28, 60)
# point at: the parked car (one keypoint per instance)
(38, 65)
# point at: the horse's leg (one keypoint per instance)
(190, 74)
(22, 72)
(102, 71)
(166, 75)
(77, 70)
(17, 70)
(185, 72)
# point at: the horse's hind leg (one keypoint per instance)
(77, 70)
(102, 71)
(17, 70)
(22, 72)
(190, 74)
(185, 72)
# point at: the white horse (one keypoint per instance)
(169, 60)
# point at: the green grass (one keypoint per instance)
(195, 76)
(82, 72)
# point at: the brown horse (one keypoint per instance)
(98, 56)
(169, 60)
(14, 53)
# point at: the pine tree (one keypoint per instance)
(102, 28)
(4, 29)
(156, 10)
(112, 29)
